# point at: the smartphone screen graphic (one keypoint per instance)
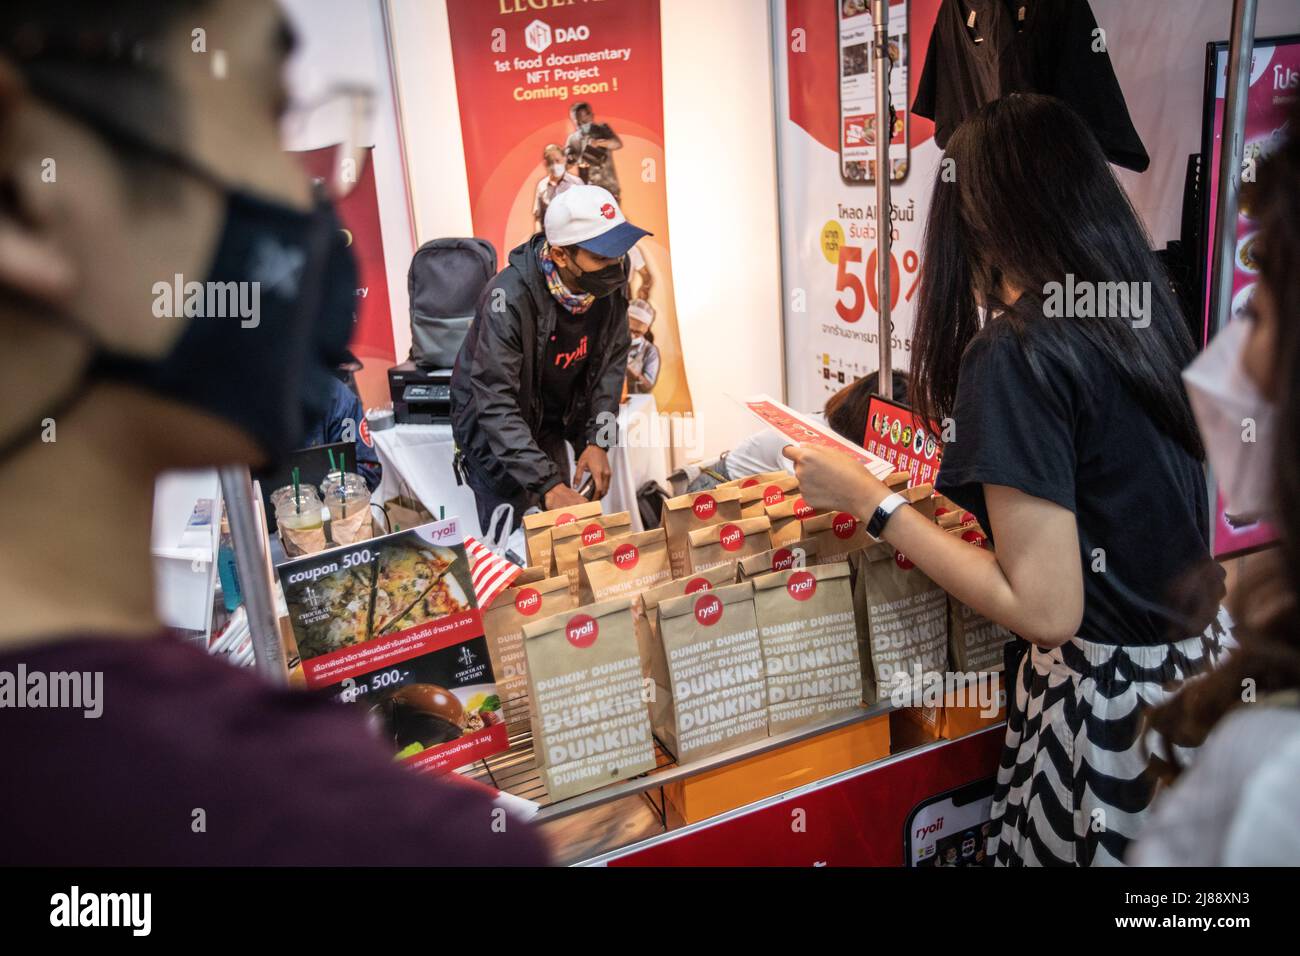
(951, 829)
(860, 122)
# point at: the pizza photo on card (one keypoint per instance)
(392, 625)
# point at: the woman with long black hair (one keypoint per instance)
(1048, 347)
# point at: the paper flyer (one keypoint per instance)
(802, 430)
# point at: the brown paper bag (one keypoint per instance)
(755, 498)
(590, 722)
(748, 481)
(654, 664)
(715, 665)
(687, 513)
(794, 556)
(788, 519)
(728, 542)
(537, 529)
(568, 539)
(531, 598)
(974, 642)
(903, 621)
(810, 647)
(623, 566)
(837, 534)
(405, 513)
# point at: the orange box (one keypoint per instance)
(756, 778)
(927, 724)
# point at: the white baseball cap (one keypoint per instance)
(642, 311)
(588, 216)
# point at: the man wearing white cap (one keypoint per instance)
(643, 357)
(544, 360)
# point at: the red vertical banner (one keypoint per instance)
(520, 72)
(372, 337)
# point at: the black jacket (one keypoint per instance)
(496, 387)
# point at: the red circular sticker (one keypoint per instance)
(592, 534)
(900, 559)
(704, 507)
(802, 509)
(782, 559)
(565, 518)
(581, 630)
(626, 556)
(940, 511)
(773, 495)
(966, 516)
(607, 211)
(974, 537)
(731, 537)
(364, 431)
(708, 610)
(749, 483)
(802, 585)
(528, 601)
(698, 584)
(844, 525)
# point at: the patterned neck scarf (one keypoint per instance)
(576, 303)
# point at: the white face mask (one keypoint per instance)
(1237, 423)
(557, 170)
(584, 128)
(637, 340)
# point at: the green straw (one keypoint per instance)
(330, 452)
(297, 501)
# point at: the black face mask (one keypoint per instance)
(601, 282)
(270, 374)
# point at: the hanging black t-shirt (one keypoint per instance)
(1075, 436)
(1025, 46)
(567, 353)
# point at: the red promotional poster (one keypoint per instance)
(392, 625)
(565, 95)
(894, 434)
(372, 338)
(1274, 83)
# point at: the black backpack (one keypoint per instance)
(650, 498)
(445, 280)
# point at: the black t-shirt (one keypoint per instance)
(567, 354)
(1077, 437)
(1054, 48)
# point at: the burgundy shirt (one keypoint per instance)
(283, 776)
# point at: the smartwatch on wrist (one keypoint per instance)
(884, 511)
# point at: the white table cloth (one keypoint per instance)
(417, 460)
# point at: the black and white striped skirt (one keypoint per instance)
(1075, 781)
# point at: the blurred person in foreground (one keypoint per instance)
(1238, 803)
(164, 170)
(1092, 549)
